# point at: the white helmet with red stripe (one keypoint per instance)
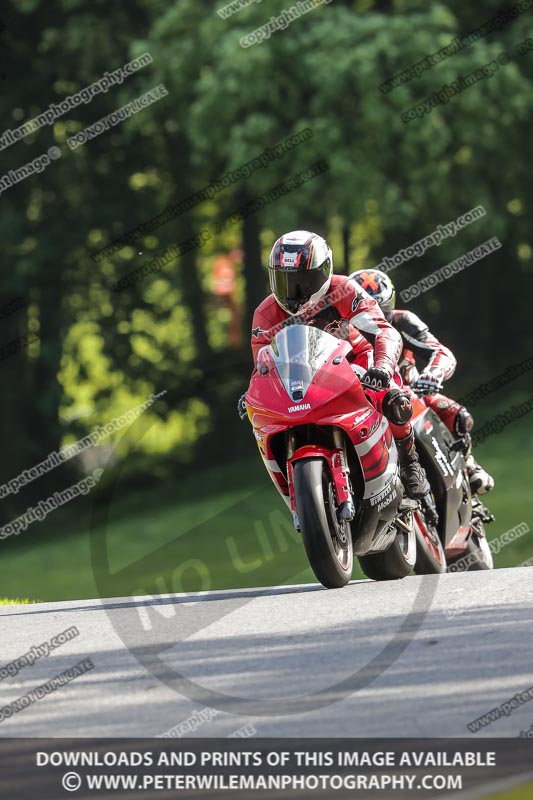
(300, 269)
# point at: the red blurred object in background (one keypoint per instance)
(223, 286)
(223, 276)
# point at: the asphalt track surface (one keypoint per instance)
(430, 672)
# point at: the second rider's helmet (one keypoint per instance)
(379, 286)
(300, 269)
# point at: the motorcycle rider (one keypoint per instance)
(438, 365)
(305, 291)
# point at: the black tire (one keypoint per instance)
(394, 563)
(328, 543)
(478, 555)
(430, 556)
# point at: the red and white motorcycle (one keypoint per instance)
(333, 459)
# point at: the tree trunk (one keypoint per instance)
(15, 400)
(346, 248)
(194, 298)
(254, 270)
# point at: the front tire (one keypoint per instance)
(327, 541)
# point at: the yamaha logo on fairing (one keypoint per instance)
(301, 407)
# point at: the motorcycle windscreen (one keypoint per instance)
(299, 351)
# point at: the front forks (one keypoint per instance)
(347, 508)
(338, 465)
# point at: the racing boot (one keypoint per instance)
(412, 473)
(480, 480)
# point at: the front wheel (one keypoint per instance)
(327, 540)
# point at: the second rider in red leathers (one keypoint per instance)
(437, 363)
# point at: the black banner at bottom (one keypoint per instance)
(49, 769)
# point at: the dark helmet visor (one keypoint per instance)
(296, 286)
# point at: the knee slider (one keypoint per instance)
(464, 422)
(396, 407)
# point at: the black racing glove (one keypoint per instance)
(376, 378)
(241, 408)
(428, 383)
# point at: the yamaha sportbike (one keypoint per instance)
(333, 458)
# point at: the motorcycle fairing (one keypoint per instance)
(445, 471)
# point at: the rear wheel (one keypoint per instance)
(394, 563)
(327, 540)
(430, 556)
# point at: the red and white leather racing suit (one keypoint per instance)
(349, 313)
